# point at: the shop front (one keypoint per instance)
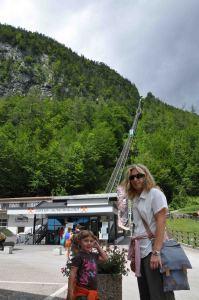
(55, 223)
(97, 213)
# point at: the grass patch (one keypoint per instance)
(185, 225)
(192, 206)
(185, 231)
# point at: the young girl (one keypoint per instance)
(82, 283)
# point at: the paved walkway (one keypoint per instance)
(130, 290)
(33, 272)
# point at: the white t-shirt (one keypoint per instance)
(148, 204)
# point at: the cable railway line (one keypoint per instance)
(121, 162)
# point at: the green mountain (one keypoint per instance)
(167, 142)
(64, 119)
(33, 63)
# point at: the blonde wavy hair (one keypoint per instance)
(149, 181)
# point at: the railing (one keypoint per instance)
(188, 238)
(36, 238)
(184, 216)
(40, 234)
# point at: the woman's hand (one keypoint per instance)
(155, 262)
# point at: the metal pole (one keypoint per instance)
(34, 223)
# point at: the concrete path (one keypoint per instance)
(130, 290)
(33, 272)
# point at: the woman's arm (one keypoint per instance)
(71, 283)
(160, 219)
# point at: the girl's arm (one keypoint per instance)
(71, 283)
(102, 254)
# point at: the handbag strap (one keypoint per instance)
(146, 226)
(148, 230)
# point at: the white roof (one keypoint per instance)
(86, 196)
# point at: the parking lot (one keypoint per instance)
(33, 272)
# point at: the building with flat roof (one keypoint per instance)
(39, 219)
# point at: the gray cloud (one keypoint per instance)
(152, 43)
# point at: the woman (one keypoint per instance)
(149, 210)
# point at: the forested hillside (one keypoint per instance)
(64, 119)
(67, 146)
(168, 143)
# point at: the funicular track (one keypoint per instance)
(118, 170)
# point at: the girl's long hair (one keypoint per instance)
(82, 235)
(149, 181)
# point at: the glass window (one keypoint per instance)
(3, 222)
(20, 229)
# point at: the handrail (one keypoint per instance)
(185, 237)
(40, 234)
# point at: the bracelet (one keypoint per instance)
(156, 253)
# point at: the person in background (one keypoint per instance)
(78, 228)
(68, 241)
(61, 233)
(2, 240)
(74, 245)
(18, 238)
(149, 207)
(82, 283)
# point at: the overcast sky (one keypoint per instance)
(153, 43)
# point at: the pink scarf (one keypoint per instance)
(134, 251)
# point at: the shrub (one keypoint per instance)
(115, 265)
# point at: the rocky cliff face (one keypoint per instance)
(22, 74)
(31, 63)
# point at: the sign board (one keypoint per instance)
(60, 211)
